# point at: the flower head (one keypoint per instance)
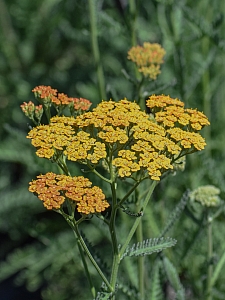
(31, 111)
(182, 125)
(48, 96)
(50, 138)
(124, 136)
(147, 58)
(54, 189)
(207, 195)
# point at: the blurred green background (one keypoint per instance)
(49, 42)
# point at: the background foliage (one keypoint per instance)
(49, 42)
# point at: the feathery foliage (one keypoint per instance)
(149, 246)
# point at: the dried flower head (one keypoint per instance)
(54, 189)
(147, 58)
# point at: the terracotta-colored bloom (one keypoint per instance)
(53, 190)
(44, 92)
(147, 58)
(48, 96)
(81, 103)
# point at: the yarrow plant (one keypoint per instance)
(125, 141)
(120, 144)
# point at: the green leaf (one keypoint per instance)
(176, 213)
(173, 278)
(218, 269)
(156, 291)
(130, 291)
(149, 246)
(103, 296)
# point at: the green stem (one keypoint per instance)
(141, 99)
(133, 32)
(137, 221)
(139, 235)
(206, 92)
(128, 194)
(68, 219)
(206, 82)
(133, 17)
(218, 269)
(62, 164)
(95, 48)
(47, 112)
(112, 227)
(93, 291)
(73, 224)
(100, 176)
(210, 254)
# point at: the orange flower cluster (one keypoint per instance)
(147, 58)
(121, 130)
(48, 95)
(54, 189)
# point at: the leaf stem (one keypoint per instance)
(139, 235)
(137, 221)
(94, 41)
(81, 245)
(112, 228)
(210, 254)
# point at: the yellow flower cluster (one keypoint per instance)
(147, 58)
(62, 135)
(48, 95)
(121, 130)
(54, 189)
(50, 138)
(169, 111)
(141, 143)
(181, 124)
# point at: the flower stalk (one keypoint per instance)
(210, 256)
(96, 53)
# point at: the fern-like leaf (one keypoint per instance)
(96, 255)
(149, 246)
(156, 291)
(176, 213)
(128, 290)
(174, 279)
(103, 296)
